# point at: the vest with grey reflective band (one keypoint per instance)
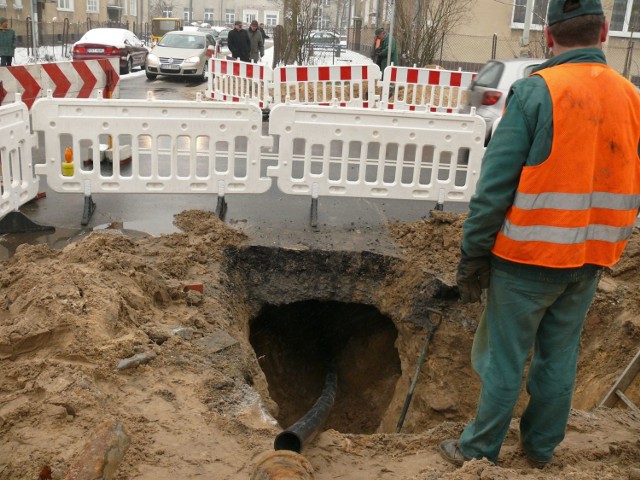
(579, 206)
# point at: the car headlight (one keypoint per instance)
(194, 59)
(152, 58)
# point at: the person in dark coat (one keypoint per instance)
(7, 43)
(239, 43)
(256, 41)
(264, 34)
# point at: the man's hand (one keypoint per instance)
(472, 276)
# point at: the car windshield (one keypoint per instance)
(182, 41)
(489, 75)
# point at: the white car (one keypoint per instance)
(488, 90)
(181, 54)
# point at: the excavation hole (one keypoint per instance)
(294, 343)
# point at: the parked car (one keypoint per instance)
(101, 43)
(325, 40)
(214, 33)
(181, 54)
(488, 90)
(223, 37)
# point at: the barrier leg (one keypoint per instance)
(17, 222)
(89, 205)
(314, 212)
(221, 207)
(314, 205)
(87, 212)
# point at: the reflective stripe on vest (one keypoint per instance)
(579, 205)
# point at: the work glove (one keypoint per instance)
(472, 276)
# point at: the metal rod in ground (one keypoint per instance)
(431, 328)
(308, 426)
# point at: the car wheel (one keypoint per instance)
(128, 68)
(151, 76)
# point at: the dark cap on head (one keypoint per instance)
(379, 31)
(3, 20)
(238, 22)
(561, 10)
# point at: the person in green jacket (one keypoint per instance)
(560, 141)
(382, 52)
(7, 43)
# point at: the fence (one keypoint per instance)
(151, 146)
(18, 183)
(342, 85)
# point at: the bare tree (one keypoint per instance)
(158, 7)
(299, 21)
(421, 26)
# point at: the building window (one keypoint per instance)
(229, 16)
(625, 17)
(249, 16)
(133, 8)
(271, 19)
(208, 14)
(17, 4)
(92, 6)
(65, 4)
(167, 13)
(3, 3)
(186, 15)
(538, 14)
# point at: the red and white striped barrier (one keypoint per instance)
(342, 85)
(410, 88)
(64, 79)
(235, 81)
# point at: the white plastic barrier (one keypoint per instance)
(407, 88)
(18, 182)
(371, 153)
(342, 85)
(234, 81)
(150, 146)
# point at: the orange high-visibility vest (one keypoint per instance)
(579, 206)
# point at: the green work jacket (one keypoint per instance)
(523, 138)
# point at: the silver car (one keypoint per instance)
(181, 54)
(488, 90)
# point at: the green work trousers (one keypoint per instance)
(522, 313)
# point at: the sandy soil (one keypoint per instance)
(202, 403)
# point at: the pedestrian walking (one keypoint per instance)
(238, 42)
(264, 34)
(256, 42)
(556, 202)
(7, 43)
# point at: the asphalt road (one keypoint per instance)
(269, 219)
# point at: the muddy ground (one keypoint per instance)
(222, 371)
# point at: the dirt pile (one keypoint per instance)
(201, 404)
